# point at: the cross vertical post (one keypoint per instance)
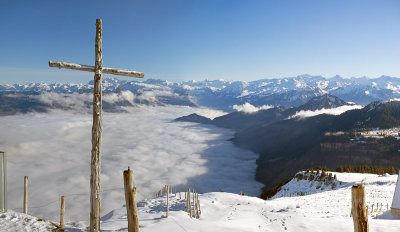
(97, 129)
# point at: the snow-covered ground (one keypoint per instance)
(317, 210)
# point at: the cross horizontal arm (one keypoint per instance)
(87, 68)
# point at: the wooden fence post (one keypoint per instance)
(62, 213)
(166, 215)
(186, 202)
(197, 206)
(189, 204)
(194, 203)
(26, 194)
(130, 198)
(358, 208)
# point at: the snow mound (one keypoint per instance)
(305, 183)
(13, 221)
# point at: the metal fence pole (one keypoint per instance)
(5, 180)
(1, 181)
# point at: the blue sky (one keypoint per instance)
(181, 40)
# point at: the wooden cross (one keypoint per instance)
(98, 69)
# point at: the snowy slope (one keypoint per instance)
(322, 210)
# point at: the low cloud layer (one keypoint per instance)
(333, 111)
(249, 108)
(54, 151)
(83, 101)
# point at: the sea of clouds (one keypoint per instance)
(53, 149)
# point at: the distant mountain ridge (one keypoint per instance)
(243, 120)
(287, 144)
(222, 94)
(325, 101)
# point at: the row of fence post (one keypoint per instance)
(130, 198)
(192, 205)
(194, 201)
(359, 210)
(378, 209)
(25, 204)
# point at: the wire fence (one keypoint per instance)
(175, 191)
(72, 196)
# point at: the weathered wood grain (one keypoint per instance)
(97, 129)
(358, 208)
(130, 199)
(81, 67)
(62, 213)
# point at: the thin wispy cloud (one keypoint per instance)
(334, 111)
(248, 108)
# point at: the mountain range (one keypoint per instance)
(223, 94)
